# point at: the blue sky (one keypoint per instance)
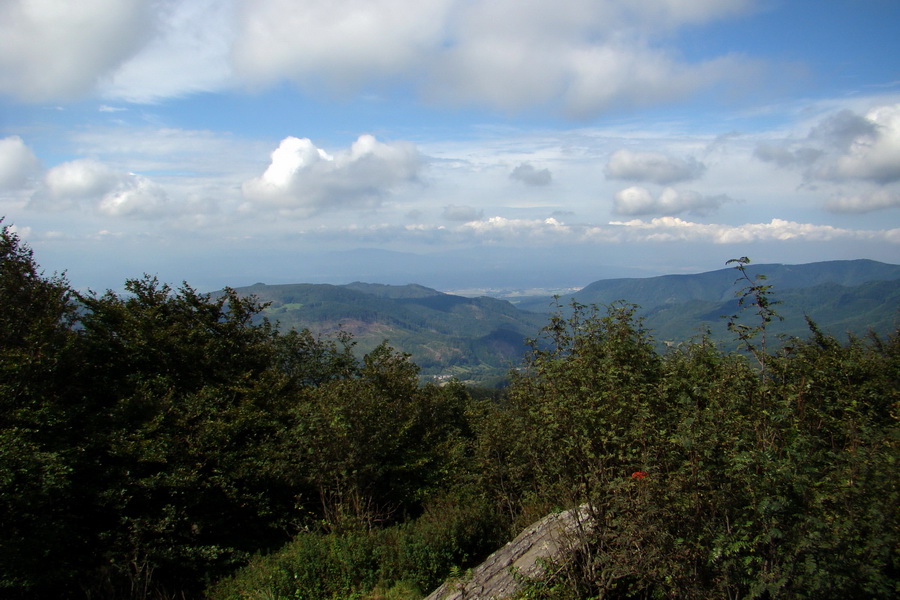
(453, 143)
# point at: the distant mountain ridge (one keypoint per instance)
(842, 296)
(719, 285)
(480, 339)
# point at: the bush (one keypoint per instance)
(707, 475)
(452, 533)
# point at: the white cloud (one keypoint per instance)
(672, 229)
(341, 43)
(72, 182)
(18, 164)
(638, 200)
(583, 55)
(87, 182)
(304, 180)
(527, 174)
(865, 202)
(630, 74)
(654, 167)
(53, 49)
(135, 196)
(580, 56)
(844, 146)
(873, 155)
(661, 230)
(520, 230)
(189, 54)
(22, 232)
(454, 212)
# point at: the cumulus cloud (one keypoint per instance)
(653, 167)
(304, 180)
(59, 50)
(528, 175)
(638, 200)
(87, 182)
(18, 164)
(844, 146)
(455, 212)
(865, 202)
(873, 153)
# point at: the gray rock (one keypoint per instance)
(502, 574)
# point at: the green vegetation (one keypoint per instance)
(478, 340)
(849, 296)
(475, 340)
(171, 444)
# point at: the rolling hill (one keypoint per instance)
(473, 339)
(479, 339)
(851, 296)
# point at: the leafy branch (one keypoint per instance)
(754, 293)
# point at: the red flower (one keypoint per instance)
(638, 475)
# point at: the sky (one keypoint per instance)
(459, 144)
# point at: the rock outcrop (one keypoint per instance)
(502, 574)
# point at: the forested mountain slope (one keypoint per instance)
(478, 339)
(470, 338)
(841, 296)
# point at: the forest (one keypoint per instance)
(165, 443)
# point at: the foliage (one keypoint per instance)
(472, 339)
(37, 450)
(164, 442)
(841, 296)
(705, 476)
(151, 442)
(416, 556)
(755, 294)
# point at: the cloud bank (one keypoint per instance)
(581, 56)
(664, 230)
(61, 50)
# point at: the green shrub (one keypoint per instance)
(411, 558)
(708, 475)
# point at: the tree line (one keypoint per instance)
(165, 443)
